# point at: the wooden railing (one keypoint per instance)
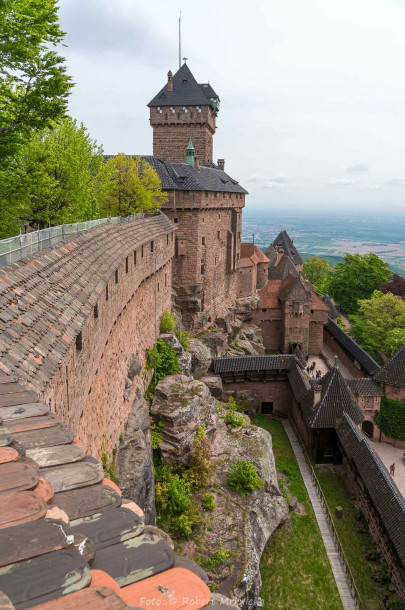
(360, 603)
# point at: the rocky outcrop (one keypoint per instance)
(214, 383)
(182, 404)
(200, 357)
(217, 343)
(134, 459)
(172, 340)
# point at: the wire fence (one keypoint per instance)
(16, 248)
(361, 603)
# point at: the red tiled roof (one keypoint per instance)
(252, 251)
(269, 295)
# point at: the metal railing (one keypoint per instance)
(360, 603)
(15, 248)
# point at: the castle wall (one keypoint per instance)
(247, 281)
(278, 391)
(91, 304)
(262, 275)
(206, 261)
(172, 130)
(270, 321)
(346, 360)
(316, 336)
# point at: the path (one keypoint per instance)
(339, 573)
(392, 455)
(330, 355)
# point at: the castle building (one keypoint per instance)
(253, 270)
(204, 202)
(283, 256)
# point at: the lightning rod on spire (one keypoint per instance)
(180, 41)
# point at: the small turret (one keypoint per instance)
(190, 152)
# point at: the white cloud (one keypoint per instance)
(394, 181)
(259, 178)
(281, 179)
(341, 182)
(359, 167)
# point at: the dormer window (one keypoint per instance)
(159, 109)
(172, 109)
(185, 109)
(198, 108)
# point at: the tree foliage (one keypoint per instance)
(129, 185)
(375, 319)
(34, 85)
(52, 181)
(394, 340)
(356, 278)
(391, 418)
(317, 270)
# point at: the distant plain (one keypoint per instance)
(331, 235)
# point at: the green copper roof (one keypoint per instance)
(190, 152)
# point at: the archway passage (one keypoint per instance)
(267, 408)
(368, 428)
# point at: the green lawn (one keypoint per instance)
(295, 569)
(356, 543)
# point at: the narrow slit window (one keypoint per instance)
(134, 258)
(96, 311)
(106, 293)
(116, 276)
(151, 246)
(79, 342)
(126, 265)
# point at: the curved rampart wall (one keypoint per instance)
(72, 318)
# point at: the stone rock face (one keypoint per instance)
(214, 383)
(134, 459)
(200, 357)
(172, 340)
(182, 404)
(135, 367)
(184, 359)
(217, 343)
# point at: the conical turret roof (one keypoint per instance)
(393, 372)
(336, 399)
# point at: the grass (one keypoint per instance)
(355, 540)
(295, 568)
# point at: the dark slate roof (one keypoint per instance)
(387, 500)
(299, 382)
(285, 268)
(284, 241)
(208, 91)
(238, 364)
(186, 91)
(184, 177)
(333, 312)
(358, 353)
(336, 399)
(364, 386)
(393, 372)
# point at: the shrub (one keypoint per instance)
(208, 502)
(232, 417)
(243, 478)
(163, 359)
(183, 525)
(156, 434)
(391, 418)
(201, 469)
(167, 322)
(215, 559)
(184, 337)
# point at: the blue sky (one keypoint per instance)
(312, 93)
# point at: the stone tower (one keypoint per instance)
(184, 109)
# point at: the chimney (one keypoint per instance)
(317, 393)
(196, 163)
(221, 164)
(280, 254)
(170, 81)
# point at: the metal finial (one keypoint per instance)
(185, 58)
(336, 364)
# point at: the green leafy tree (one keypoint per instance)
(376, 318)
(317, 270)
(34, 85)
(356, 278)
(391, 418)
(53, 181)
(129, 185)
(394, 340)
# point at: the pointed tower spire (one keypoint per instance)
(190, 152)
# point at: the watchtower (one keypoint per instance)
(184, 109)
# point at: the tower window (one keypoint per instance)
(79, 342)
(172, 109)
(202, 269)
(219, 234)
(215, 195)
(198, 108)
(230, 195)
(95, 310)
(167, 239)
(134, 258)
(106, 293)
(206, 194)
(203, 240)
(223, 195)
(142, 251)
(151, 246)
(126, 265)
(175, 220)
(185, 109)
(159, 109)
(116, 276)
(186, 194)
